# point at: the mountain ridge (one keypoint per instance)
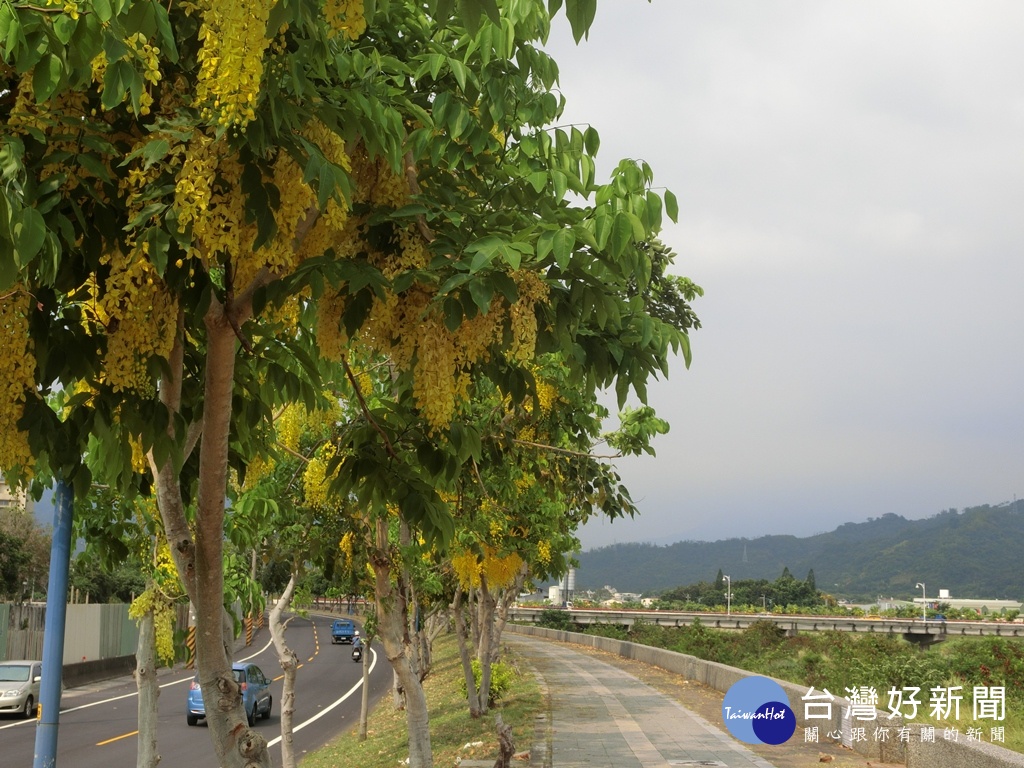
(973, 553)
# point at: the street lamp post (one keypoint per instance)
(728, 595)
(924, 602)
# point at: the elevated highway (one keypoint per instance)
(913, 630)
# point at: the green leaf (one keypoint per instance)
(654, 211)
(459, 71)
(94, 165)
(563, 244)
(591, 140)
(159, 245)
(622, 234)
(482, 292)
(581, 15)
(116, 81)
(545, 243)
(64, 27)
(560, 183)
(671, 206)
(470, 13)
(103, 10)
(10, 28)
(28, 233)
(538, 180)
(46, 77)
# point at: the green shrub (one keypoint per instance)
(502, 678)
(614, 631)
(552, 618)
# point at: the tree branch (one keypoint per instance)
(366, 411)
(168, 489)
(564, 451)
(414, 187)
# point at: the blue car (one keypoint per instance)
(255, 694)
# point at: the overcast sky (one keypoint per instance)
(851, 186)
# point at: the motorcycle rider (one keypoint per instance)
(357, 646)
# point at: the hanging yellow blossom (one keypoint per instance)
(17, 377)
(234, 38)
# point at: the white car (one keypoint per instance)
(19, 686)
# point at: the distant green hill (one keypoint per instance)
(974, 553)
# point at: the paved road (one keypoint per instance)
(98, 723)
(603, 717)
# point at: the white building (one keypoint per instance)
(10, 498)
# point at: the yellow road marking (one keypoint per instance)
(117, 738)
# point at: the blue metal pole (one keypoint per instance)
(53, 634)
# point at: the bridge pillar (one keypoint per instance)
(922, 639)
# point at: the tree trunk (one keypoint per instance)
(461, 634)
(199, 560)
(149, 692)
(506, 747)
(290, 664)
(235, 744)
(364, 705)
(508, 596)
(483, 653)
(392, 620)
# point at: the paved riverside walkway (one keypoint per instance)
(603, 716)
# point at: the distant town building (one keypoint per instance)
(985, 605)
(11, 499)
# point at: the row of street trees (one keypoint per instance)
(24, 554)
(762, 594)
(320, 261)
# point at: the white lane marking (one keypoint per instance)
(325, 710)
(129, 695)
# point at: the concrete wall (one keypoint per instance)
(912, 753)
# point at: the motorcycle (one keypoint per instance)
(357, 653)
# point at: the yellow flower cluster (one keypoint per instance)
(289, 427)
(500, 571)
(194, 183)
(532, 291)
(546, 396)
(331, 336)
(332, 229)
(166, 573)
(70, 7)
(140, 315)
(163, 620)
(434, 387)
(25, 113)
(315, 482)
(139, 464)
(345, 16)
(258, 469)
(346, 546)
(209, 198)
(149, 55)
(544, 552)
(17, 378)
(323, 420)
(467, 569)
(231, 60)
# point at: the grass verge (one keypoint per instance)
(451, 727)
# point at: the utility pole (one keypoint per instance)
(53, 632)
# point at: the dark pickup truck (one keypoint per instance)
(342, 631)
